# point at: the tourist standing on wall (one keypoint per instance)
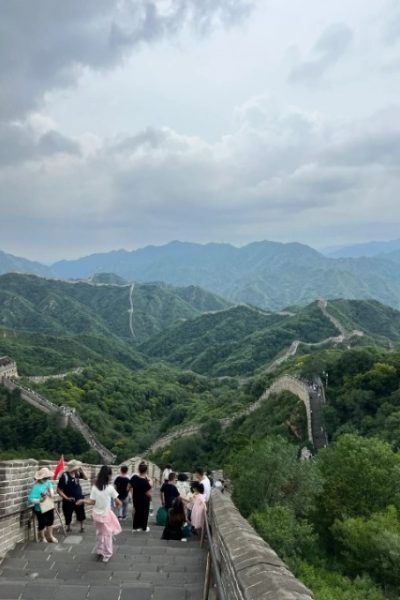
(140, 487)
(198, 513)
(169, 491)
(166, 473)
(203, 479)
(107, 524)
(41, 496)
(121, 484)
(69, 488)
(183, 485)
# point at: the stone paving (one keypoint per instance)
(143, 567)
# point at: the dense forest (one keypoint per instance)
(334, 519)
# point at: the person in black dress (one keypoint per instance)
(140, 487)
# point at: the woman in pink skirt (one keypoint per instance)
(106, 522)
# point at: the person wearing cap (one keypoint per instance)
(70, 490)
(42, 489)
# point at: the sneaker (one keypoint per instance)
(68, 529)
(184, 540)
(53, 539)
(105, 560)
(43, 540)
(147, 530)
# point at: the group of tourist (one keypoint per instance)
(183, 504)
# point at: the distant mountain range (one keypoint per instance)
(366, 249)
(270, 275)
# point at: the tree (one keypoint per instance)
(360, 476)
(371, 545)
(269, 473)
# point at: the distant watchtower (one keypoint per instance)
(8, 368)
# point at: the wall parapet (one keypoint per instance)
(250, 569)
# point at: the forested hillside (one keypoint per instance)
(53, 307)
(335, 519)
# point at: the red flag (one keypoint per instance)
(59, 467)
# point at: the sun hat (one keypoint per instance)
(43, 473)
(73, 464)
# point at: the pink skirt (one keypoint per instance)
(110, 522)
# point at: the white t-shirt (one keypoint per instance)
(165, 475)
(103, 499)
(207, 488)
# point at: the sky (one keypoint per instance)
(125, 123)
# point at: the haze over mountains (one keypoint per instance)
(270, 275)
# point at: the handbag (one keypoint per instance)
(161, 517)
(46, 505)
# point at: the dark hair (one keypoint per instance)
(199, 470)
(103, 478)
(124, 469)
(197, 486)
(142, 468)
(182, 477)
(176, 514)
(171, 476)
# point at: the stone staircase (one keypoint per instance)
(143, 567)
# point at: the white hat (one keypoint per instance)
(73, 464)
(43, 473)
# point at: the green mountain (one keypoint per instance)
(131, 312)
(241, 340)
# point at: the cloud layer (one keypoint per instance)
(284, 168)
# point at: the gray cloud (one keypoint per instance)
(43, 45)
(160, 185)
(329, 48)
(20, 143)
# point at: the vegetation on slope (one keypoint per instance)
(238, 340)
(53, 307)
(28, 433)
(129, 409)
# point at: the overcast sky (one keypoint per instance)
(125, 123)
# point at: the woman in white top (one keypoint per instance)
(107, 523)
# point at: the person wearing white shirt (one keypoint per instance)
(166, 473)
(202, 478)
(107, 524)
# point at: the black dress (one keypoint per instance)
(141, 502)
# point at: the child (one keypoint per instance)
(199, 507)
(175, 521)
(107, 523)
(121, 485)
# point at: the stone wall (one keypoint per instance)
(16, 480)
(298, 388)
(250, 569)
